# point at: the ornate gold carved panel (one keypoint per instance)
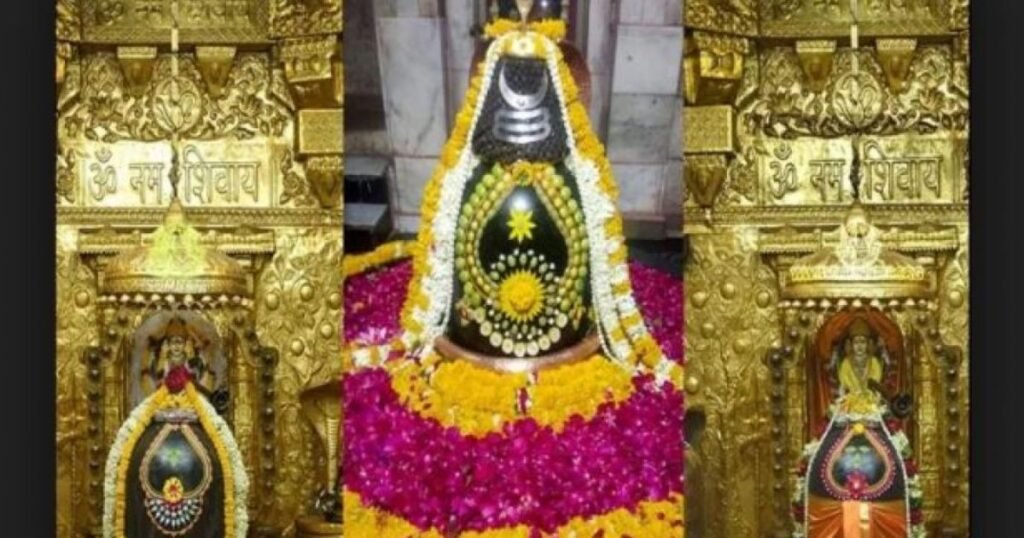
(260, 180)
(768, 181)
(150, 21)
(826, 18)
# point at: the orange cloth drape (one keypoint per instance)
(827, 518)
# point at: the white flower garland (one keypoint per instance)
(133, 423)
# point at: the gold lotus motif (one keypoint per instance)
(859, 266)
(175, 262)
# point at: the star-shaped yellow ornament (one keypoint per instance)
(521, 225)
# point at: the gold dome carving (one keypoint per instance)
(859, 266)
(175, 262)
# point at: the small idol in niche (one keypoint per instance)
(176, 354)
(860, 369)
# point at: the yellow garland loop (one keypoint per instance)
(163, 399)
(155, 403)
(479, 401)
(390, 252)
(553, 29)
(651, 519)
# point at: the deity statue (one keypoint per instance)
(860, 369)
(178, 347)
(525, 392)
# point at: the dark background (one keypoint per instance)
(27, 348)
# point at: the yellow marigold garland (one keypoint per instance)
(553, 29)
(478, 401)
(645, 349)
(389, 252)
(658, 519)
(157, 401)
(577, 389)
(431, 197)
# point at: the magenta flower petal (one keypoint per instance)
(436, 477)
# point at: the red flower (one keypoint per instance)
(911, 466)
(916, 517)
(895, 425)
(802, 470)
(177, 378)
(856, 482)
(798, 511)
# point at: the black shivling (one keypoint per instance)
(519, 236)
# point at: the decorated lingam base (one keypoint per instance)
(780, 99)
(244, 100)
(523, 393)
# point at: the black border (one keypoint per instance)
(997, 203)
(27, 250)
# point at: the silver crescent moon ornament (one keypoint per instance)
(521, 101)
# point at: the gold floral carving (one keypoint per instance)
(150, 21)
(832, 18)
(305, 17)
(295, 188)
(69, 20)
(785, 190)
(730, 323)
(728, 16)
(107, 112)
(960, 14)
(76, 319)
(67, 180)
(231, 110)
(299, 311)
(858, 102)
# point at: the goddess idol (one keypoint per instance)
(524, 396)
